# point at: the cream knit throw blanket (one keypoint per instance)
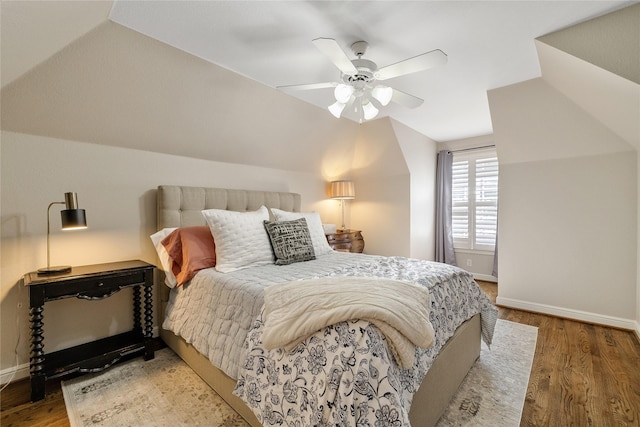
(400, 310)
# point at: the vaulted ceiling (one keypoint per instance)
(197, 79)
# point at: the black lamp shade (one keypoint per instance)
(73, 218)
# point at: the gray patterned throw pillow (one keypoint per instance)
(290, 240)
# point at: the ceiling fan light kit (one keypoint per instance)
(383, 94)
(369, 111)
(343, 93)
(359, 76)
(336, 109)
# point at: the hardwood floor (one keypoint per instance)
(582, 375)
(17, 410)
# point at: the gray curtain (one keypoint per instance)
(444, 233)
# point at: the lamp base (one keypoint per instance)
(58, 269)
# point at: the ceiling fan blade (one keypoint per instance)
(333, 51)
(310, 86)
(412, 65)
(403, 98)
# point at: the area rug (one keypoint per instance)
(161, 392)
(493, 392)
(166, 392)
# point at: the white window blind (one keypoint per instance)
(475, 200)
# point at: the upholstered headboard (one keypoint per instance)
(180, 206)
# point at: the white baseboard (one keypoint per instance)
(14, 373)
(485, 277)
(568, 313)
(22, 371)
(638, 330)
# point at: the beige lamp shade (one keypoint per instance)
(342, 190)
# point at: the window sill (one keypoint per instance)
(474, 251)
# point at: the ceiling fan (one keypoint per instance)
(359, 86)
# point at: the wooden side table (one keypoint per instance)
(346, 241)
(90, 282)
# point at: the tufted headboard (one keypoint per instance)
(180, 206)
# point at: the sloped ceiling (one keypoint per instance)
(33, 31)
(201, 82)
(117, 87)
(596, 64)
(611, 42)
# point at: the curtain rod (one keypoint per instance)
(474, 148)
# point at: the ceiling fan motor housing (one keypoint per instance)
(366, 72)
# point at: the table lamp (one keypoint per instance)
(72, 219)
(342, 190)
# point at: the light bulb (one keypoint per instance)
(336, 109)
(343, 93)
(383, 94)
(369, 110)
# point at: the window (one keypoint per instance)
(475, 200)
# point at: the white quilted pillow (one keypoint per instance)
(240, 237)
(319, 240)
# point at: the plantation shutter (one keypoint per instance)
(486, 203)
(460, 204)
(475, 201)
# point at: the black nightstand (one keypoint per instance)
(90, 282)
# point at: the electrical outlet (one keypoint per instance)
(469, 262)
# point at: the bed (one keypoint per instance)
(234, 372)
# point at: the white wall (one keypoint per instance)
(116, 186)
(568, 208)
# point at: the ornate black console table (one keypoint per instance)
(90, 282)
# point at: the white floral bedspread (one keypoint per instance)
(345, 374)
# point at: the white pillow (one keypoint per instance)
(169, 279)
(318, 238)
(240, 237)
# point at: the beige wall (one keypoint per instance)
(394, 172)
(116, 186)
(568, 208)
(420, 155)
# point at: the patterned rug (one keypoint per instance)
(166, 392)
(493, 392)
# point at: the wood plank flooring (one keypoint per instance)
(582, 375)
